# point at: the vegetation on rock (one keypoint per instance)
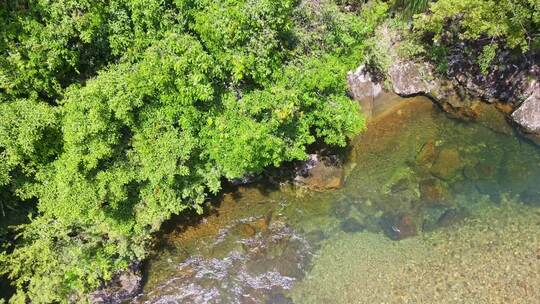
(484, 27)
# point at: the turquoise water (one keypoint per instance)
(413, 176)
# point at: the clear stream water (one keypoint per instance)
(412, 179)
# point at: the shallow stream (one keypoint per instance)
(432, 210)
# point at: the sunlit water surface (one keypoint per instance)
(420, 189)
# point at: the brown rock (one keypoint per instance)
(246, 230)
(427, 154)
(262, 223)
(251, 228)
(432, 191)
(490, 117)
(323, 177)
(447, 164)
(504, 107)
(399, 227)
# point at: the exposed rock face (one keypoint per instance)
(124, 286)
(463, 93)
(507, 80)
(365, 88)
(410, 78)
(527, 115)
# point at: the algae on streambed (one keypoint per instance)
(438, 185)
(494, 257)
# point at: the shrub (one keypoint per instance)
(188, 92)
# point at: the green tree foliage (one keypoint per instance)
(514, 24)
(411, 7)
(114, 115)
(247, 38)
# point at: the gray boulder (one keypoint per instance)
(527, 115)
(364, 88)
(411, 78)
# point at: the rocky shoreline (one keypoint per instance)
(512, 86)
(508, 99)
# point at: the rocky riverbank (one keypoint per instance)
(511, 87)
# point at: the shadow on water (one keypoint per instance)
(414, 171)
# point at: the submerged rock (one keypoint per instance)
(447, 164)
(246, 230)
(531, 196)
(479, 170)
(268, 265)
(492, 117)
(352, 225)
(489, 187)
(252, 227)
(442, 216)
(279, 299)
(399, 227)
(427, 154)
(451, 217)
(432, 191)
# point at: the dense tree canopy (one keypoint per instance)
(116, 114)
(516, 22)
